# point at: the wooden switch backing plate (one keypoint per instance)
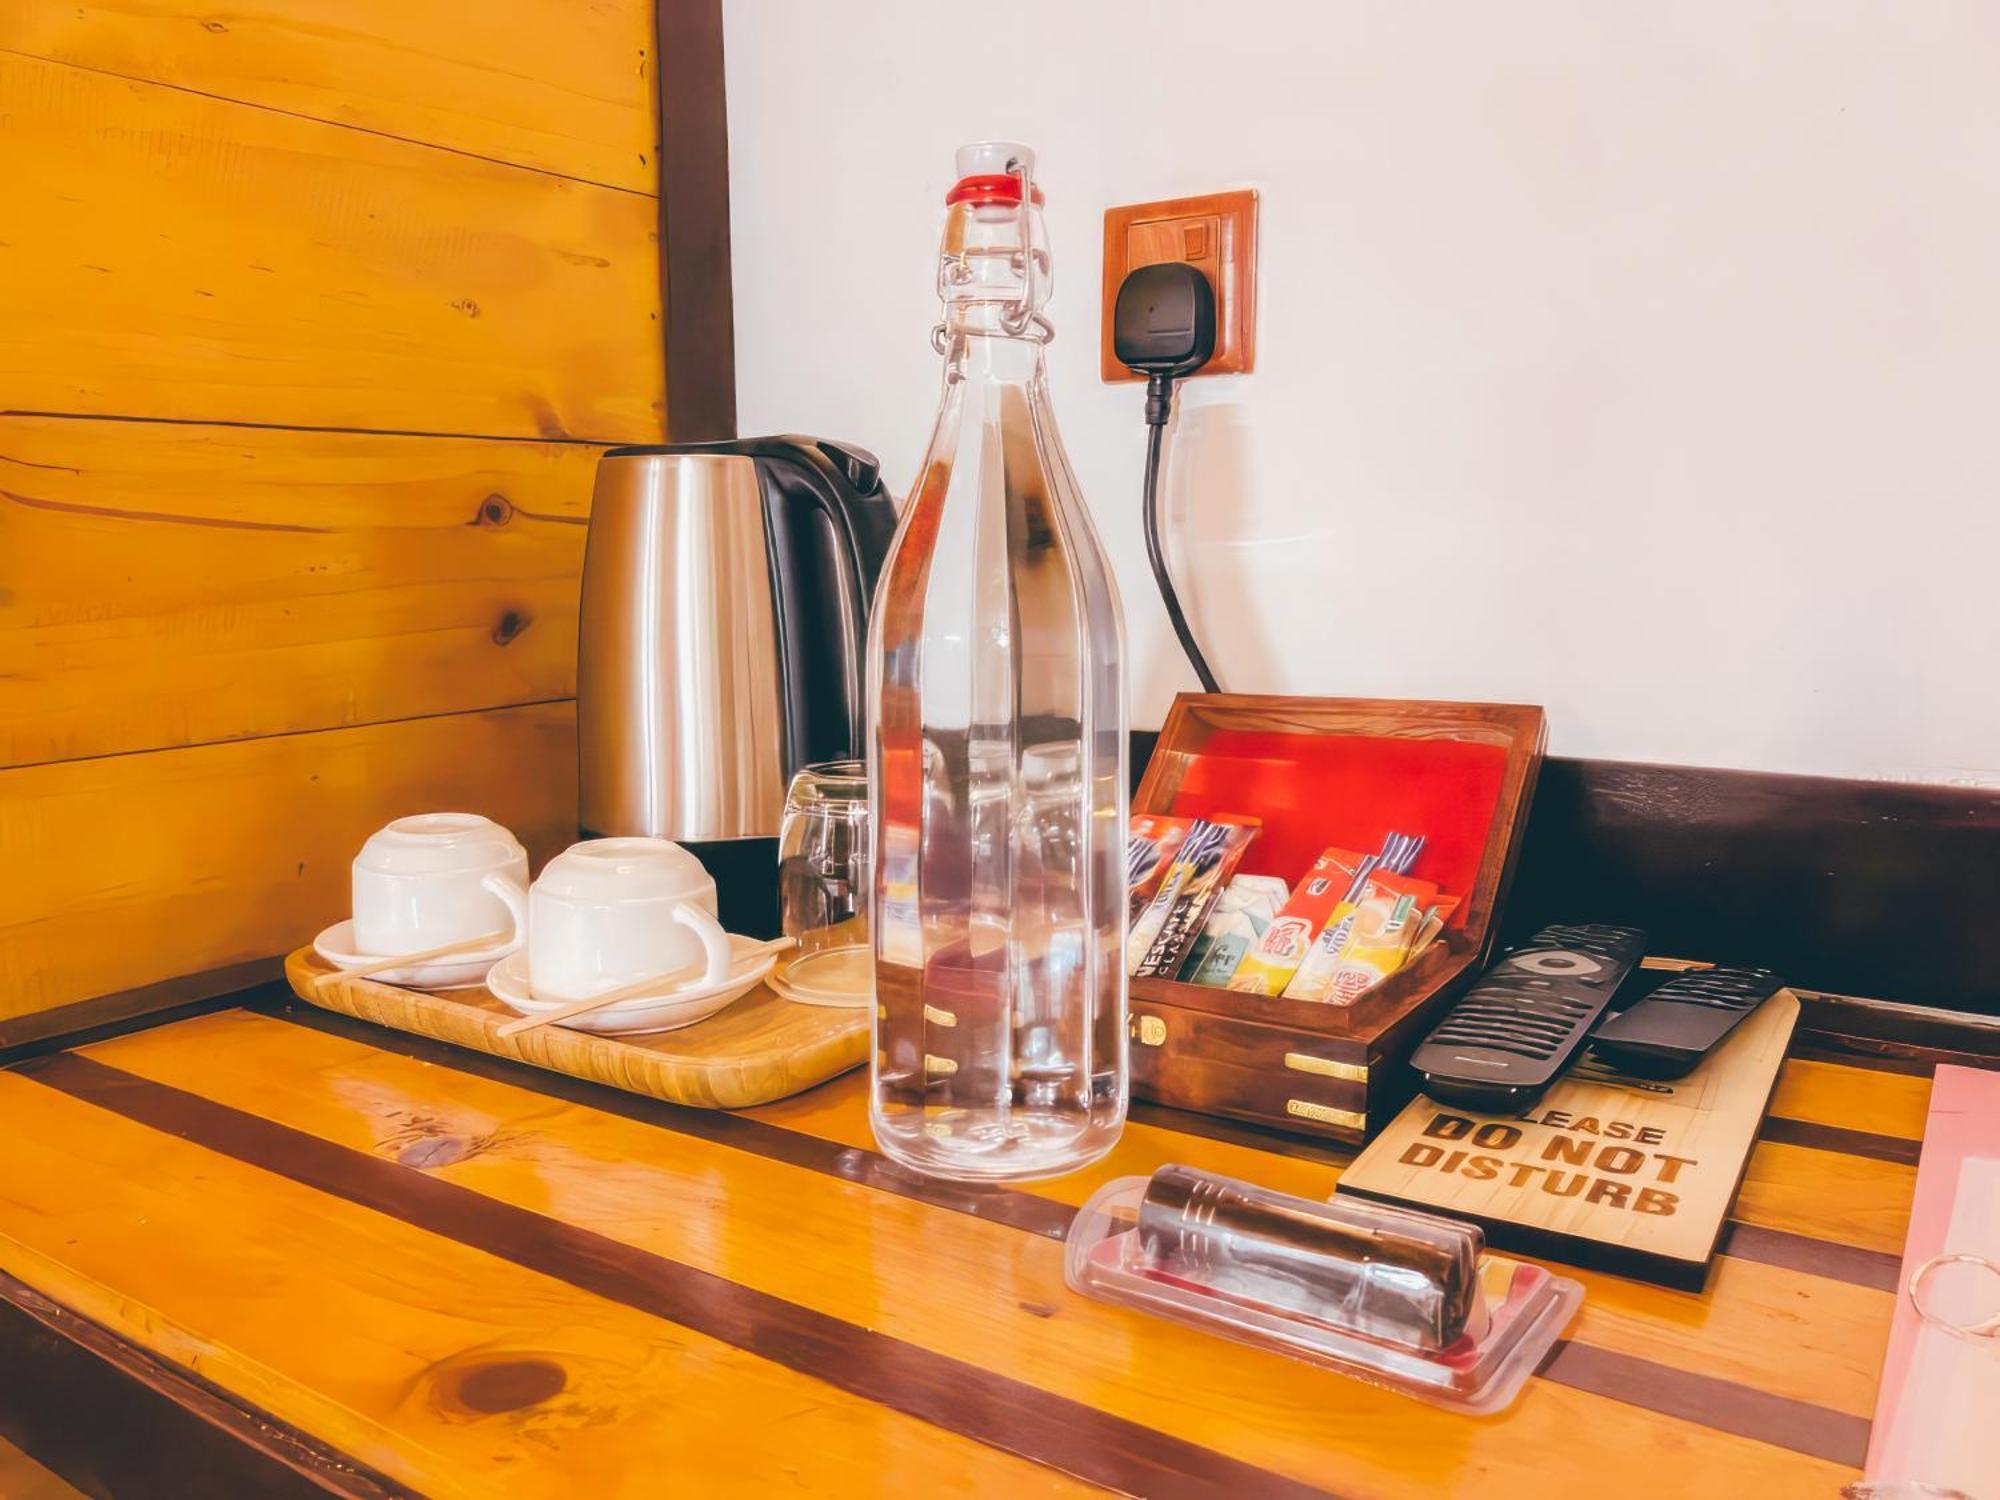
(1216, 234)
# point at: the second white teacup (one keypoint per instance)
(436, 878)
(608, 913)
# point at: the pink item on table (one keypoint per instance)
(1941, 1378)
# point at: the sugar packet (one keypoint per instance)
(1365, 941)
(1248, 905)
(1280, 948)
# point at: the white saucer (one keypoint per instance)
(840, 978)
(336, 946)
(641, 1016)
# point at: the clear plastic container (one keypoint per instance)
(1375, 1292)
(997, 745)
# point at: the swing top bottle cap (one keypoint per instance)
(987, 173)
(994, 159)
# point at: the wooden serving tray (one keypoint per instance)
(761, 1048)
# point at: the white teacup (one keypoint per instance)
(437, 878)
(608, 913)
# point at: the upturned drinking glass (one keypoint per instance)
(823, 882)
(997, 745)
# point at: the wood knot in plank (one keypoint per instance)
(427, 1142)
(494, 510)
(501, 1385)
(436, 1151)
(512, 623)
(547, 423)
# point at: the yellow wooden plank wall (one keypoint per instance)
(314, 315)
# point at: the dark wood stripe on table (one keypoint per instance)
(993, 1409)
(1719, 1404)
(1838, 1138)
(1773, 1128)
(795, 1148)
(106, 1417)
(1686, 1391)
(1022, 1210)
(1237, 1133)
(1854, 1264)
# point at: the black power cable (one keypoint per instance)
(1163, 327)
(1155, 432)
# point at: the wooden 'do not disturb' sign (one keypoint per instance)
(1627, 1174)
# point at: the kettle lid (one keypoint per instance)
(855, 464)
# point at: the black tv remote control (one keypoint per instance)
(1525, 1019)
(1665, 1034)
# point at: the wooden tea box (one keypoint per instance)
(1322, 772)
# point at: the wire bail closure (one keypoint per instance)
(1016, 317)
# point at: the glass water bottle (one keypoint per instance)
(997, 745)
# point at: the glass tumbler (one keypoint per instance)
(823, 884)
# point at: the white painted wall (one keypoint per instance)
(1635, 360)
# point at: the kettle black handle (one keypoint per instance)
(822, 581)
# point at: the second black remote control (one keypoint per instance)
(1525, 1019)
(1669, 1031)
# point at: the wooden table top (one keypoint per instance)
(470, 1278)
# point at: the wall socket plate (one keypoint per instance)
(1217, 235)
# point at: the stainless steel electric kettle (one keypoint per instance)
(725, 612)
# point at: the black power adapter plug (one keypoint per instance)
(1163, 327)
(1163, 324)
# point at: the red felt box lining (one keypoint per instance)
(1350, 791)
